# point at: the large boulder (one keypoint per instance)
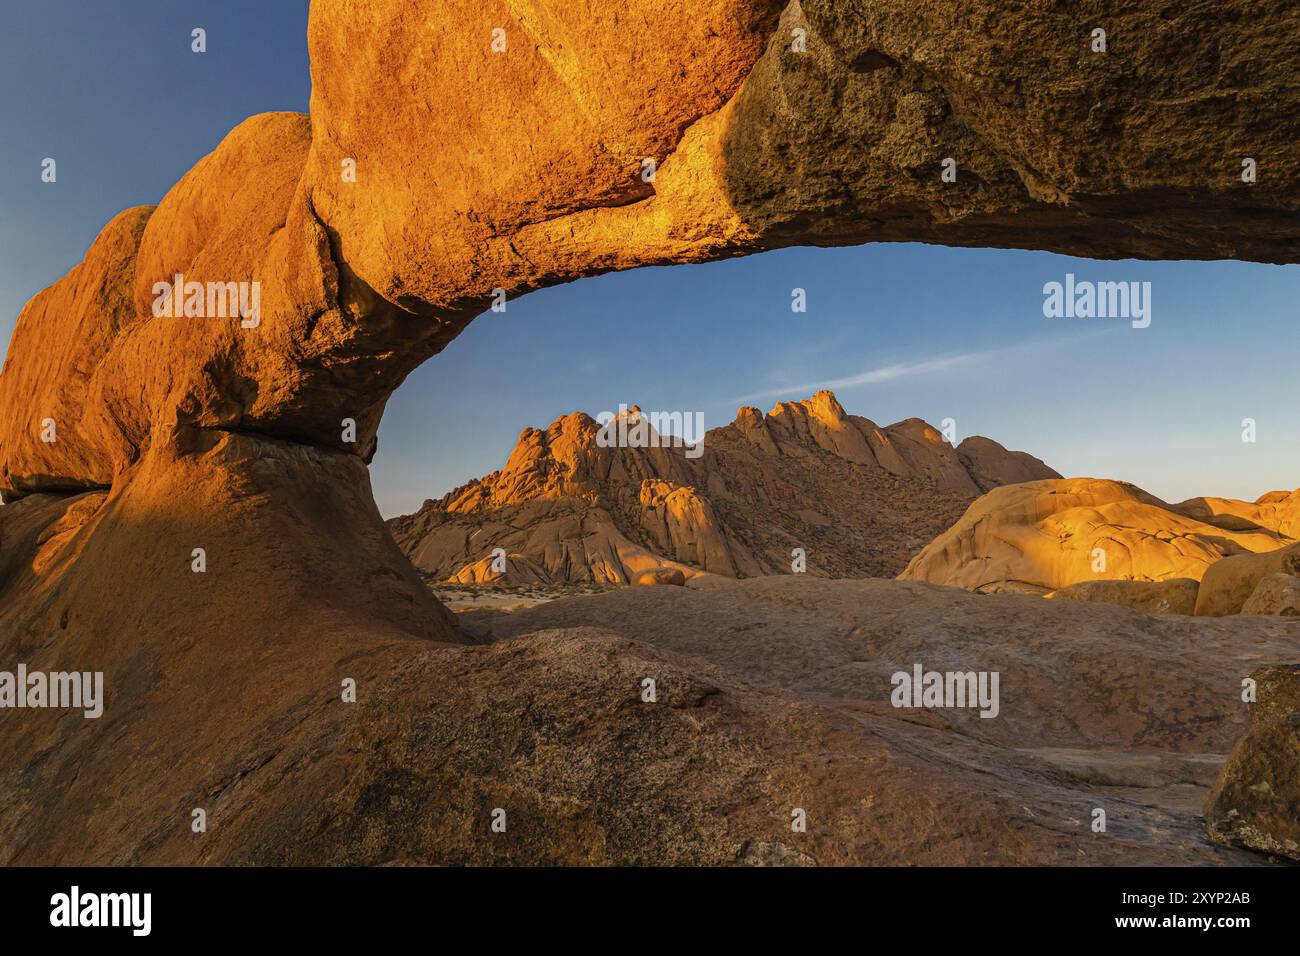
(656, 576)
(1047, 535)
(1276, 594)
(1277, 511)
(64, 428)
(1255, 803)
(1228, 584)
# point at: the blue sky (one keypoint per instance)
(113, 92)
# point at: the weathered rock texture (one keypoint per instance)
(1171, 596)
(1045, 536)
(771, 693)
(1255, 802)
(476, 171)
(1101, 706)
(1277, 594)
(1230, 583)
(857, 498)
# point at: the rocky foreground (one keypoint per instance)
(857, 499)
(771, 695)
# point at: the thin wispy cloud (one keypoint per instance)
(901, 370)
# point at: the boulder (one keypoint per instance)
(654, 576)
(1051, 534)
(1276, 594)
(1277, 692)
(62, 429)
(1255, 803)
(1226, 585)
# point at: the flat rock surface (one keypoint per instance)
(224, 692)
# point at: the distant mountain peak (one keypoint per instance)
(858, 498)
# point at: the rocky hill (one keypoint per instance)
(857, 498)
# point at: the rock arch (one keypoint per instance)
(479, 170)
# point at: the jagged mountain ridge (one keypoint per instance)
(859, 499)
